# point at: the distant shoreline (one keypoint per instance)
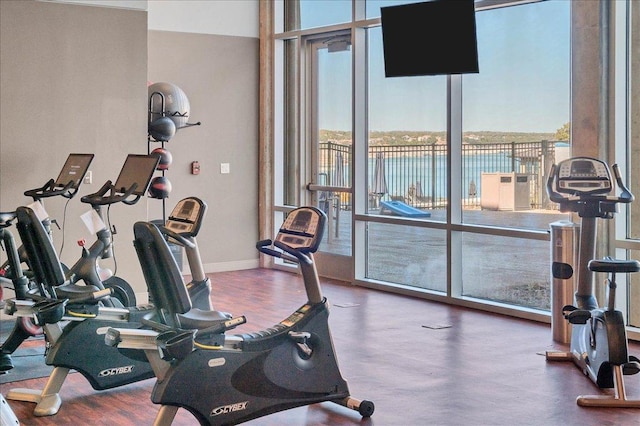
(399, 137)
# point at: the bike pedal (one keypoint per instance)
(578, 316)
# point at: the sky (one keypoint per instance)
(522, 86)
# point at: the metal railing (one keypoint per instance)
(416, 174)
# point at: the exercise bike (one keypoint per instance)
(229, 379)
(65, 185)
(100, 285)
(74, 327)
(23, 328)
(132, 184)
(12, 273)
(599, 345)
(181, 228)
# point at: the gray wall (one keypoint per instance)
(219, 75)
(73, 78)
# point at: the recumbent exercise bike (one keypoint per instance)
(229, 379)
(74, 328)
(99, 285)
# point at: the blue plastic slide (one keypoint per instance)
(401, 209)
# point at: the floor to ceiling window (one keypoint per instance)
(434, 185)
(406, 163)
(513, 111)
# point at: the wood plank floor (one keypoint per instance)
(421, 363)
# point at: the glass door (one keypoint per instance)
(330, 142)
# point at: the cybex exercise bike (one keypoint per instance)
(72, 326)
(107, 290)
(12, 273)
(599, 344)
(230, 379)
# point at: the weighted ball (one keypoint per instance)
(162, 129)
(160, 187)
(165, 158)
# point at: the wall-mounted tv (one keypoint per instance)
(436, 37)
(138, 169)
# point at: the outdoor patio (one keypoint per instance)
(514, 270)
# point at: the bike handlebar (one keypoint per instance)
(49, 190)
(179, 238)
(625, 196)
(287, 253)
(100, 198)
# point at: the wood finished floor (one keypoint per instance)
(421, 363)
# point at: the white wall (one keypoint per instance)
(221, 17)
(119, 4)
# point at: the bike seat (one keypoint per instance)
(80, 293)
(614, 265)
(6, 219)
(198, 319)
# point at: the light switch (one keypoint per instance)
(225, 168)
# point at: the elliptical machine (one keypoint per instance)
(230, 379)
(599, 344)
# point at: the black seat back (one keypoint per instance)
(42, 256)
(164, 281)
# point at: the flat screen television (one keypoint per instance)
(436, 37)
(74, 170)
(137, 169)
